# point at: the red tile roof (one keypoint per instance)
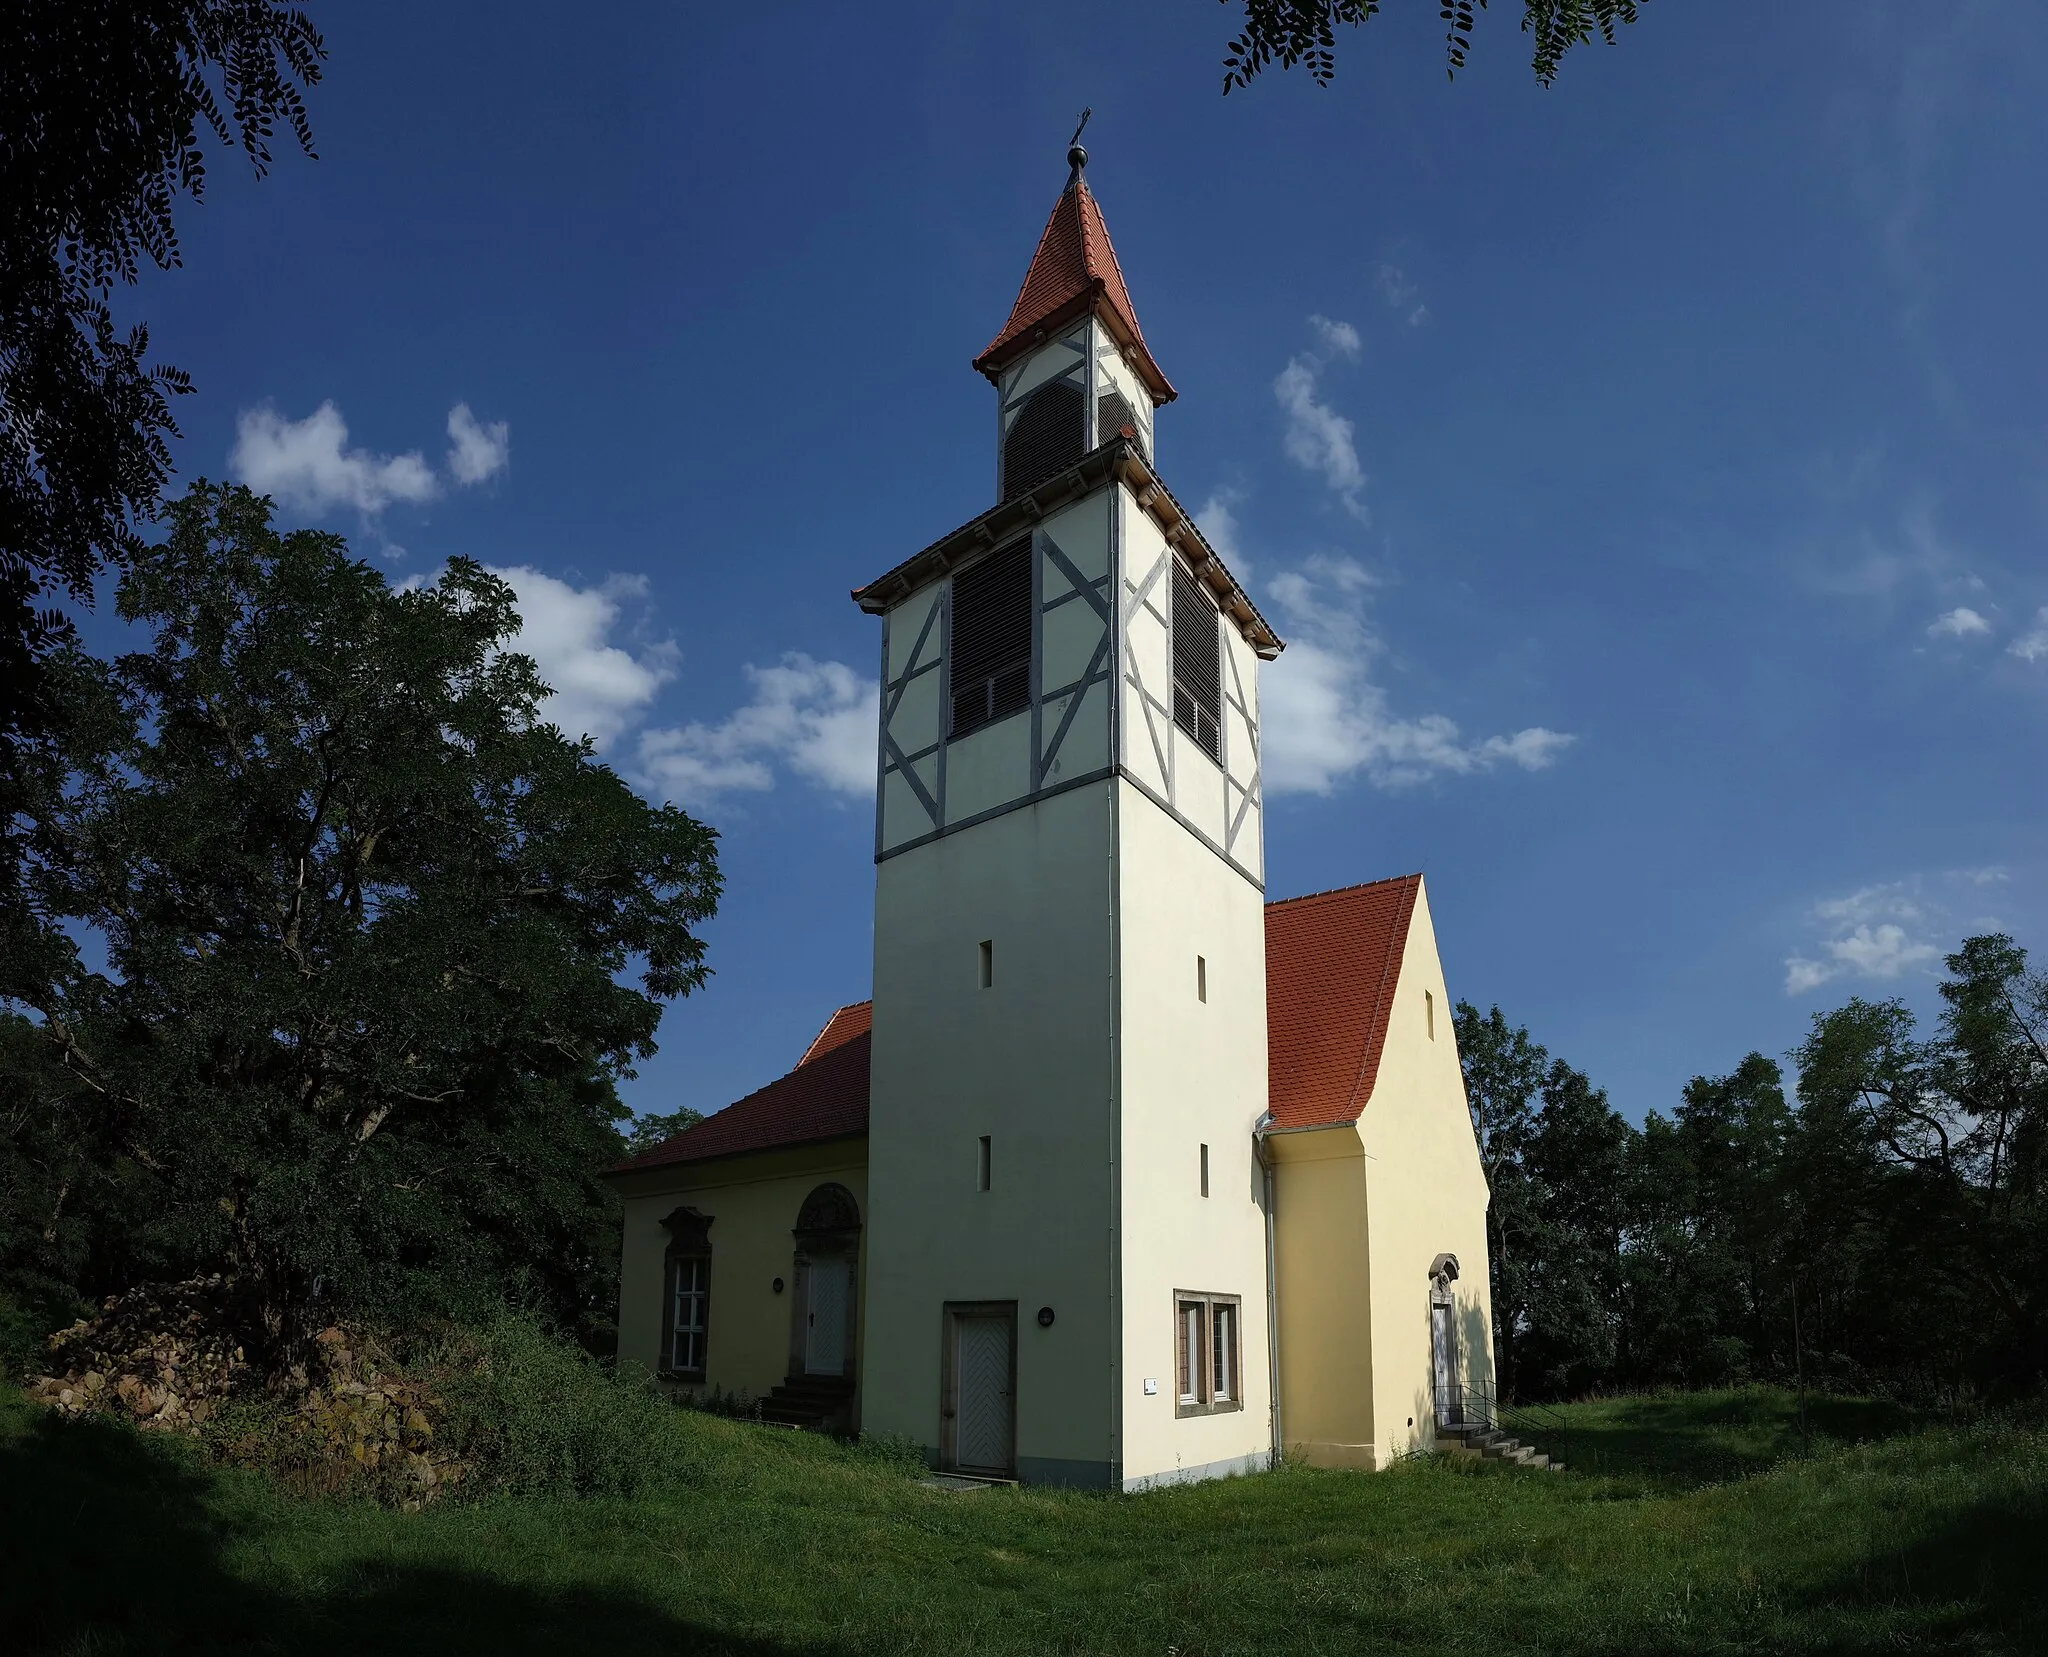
(1332, 961)
(824, 1097)
(1074, 271)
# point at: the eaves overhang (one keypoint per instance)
(1118, 460)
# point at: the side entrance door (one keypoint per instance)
(1450, 1408)
(978, 1409)
(828, 1291)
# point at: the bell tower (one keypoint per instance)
(1065, 1255)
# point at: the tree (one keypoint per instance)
(1304, 33)
(651, 1129)
(1503, 1074)
(102, 103)
(378, 943)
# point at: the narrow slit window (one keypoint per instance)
(1197, 664)
(1205, 1170)
(988, 963)
(990, 664)
(1201, 978)
(981, 1163)
(1429, 1013)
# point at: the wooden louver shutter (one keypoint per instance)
(1197, 664)
(991, 649)
(1045, 438)
(1112, 414)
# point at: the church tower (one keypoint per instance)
(1066, 1269)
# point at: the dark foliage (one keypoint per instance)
(1885, 1227)
(103, 108)
(1304, 33)
(355, 951)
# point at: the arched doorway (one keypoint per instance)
(827, 1256)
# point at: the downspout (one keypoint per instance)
(1260, 1129)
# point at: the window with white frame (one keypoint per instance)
(1208, 1350)
(689, 1315)
(686, 1295)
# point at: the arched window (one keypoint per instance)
(686, 1295)
(1046, 437)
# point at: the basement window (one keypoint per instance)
(1197, 664)
(990, 658)
(1207, 1352)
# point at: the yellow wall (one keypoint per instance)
(753, 1201)
(1193, 1073)
(1425, 1195)
(1322, 1255)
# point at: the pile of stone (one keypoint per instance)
(352, 1420)
(156, 1355)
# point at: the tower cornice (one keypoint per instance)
(1120, 459)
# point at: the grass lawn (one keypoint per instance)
(1698, 1527)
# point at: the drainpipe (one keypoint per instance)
(1260, 1129)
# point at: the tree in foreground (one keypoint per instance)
(1303, 33)
(378, 943)
(103, 108)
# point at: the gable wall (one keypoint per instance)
(1425, 1194)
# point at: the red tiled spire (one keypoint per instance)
(1074, 272)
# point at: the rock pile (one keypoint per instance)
(155, 1355)
(355, 1420)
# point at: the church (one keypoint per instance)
(1125, 1175)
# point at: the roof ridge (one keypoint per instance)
(1342, 891)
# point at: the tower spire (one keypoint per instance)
(1074, 272)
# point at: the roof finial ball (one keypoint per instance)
(1077, 158)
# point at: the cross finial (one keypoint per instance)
(1077, 158)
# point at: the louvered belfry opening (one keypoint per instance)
(991, 649)
(1113, 413)
(1197, 664)
(1045, 438)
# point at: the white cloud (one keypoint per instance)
(1217, 520)
(1318, 438)
(1868, 938)
(1339, 337)
(1958, 623)
(1402, 294)
(2032, 645)
(307, 463)
(600, 689)
(479, 451)
(1323, 720)
(817, 718)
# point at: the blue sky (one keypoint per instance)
(1651, 473)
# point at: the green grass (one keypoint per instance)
(1705, 1531)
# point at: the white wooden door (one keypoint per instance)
(983, 1441)
(828, 1289)
(1450, 1409)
